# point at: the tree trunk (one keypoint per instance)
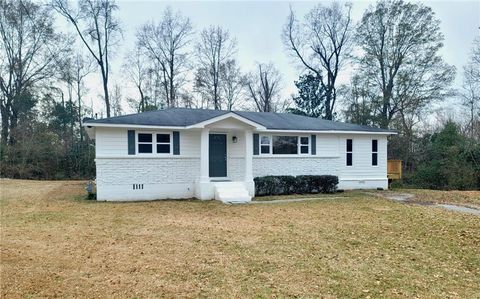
(172, 91)
(215, 96)
(142, 99)
(13, 125)
(328, 110)
(105, 88)
(5, 123)
(79, 100)
(384, 122)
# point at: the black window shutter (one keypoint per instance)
(131, 142)
(176, 143)
(313, 141)
(256, 142)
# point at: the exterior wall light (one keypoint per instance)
(234, 139)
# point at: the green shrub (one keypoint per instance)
(305, 184)
(302, 184)
(327, 183)
(285, 184)
(450, 162)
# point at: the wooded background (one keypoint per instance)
(393, 53)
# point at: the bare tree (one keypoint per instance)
(400, 44)
(264, 88)
(471, 85)
(30, 53)
(233, 83)
(166, 42)
(214, 49)
(82, 67)
(320, 43)
(98, 30)
(117, 100)
(137, 69)
(357, 99)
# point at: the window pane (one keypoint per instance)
(285, 145)
(163, 138)
(349, 159)
(303, 140)
(374, 145)
(349, 145)
(144, 137)
(163, 148)
(145, 148)
(374, 159)
(304, 149)
(265, 140)
(265, 149)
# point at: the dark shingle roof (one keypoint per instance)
(181, 117)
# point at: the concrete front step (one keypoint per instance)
(237, 200)
(232, 192)
(235, 190)
(229, 184)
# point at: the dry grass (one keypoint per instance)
(294, 196)
(468, 198)
(55, 244)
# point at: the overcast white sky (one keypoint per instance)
(257, 26)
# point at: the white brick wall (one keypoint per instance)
(263, 166)
(161, 178)
(147, 171)
(236, 168)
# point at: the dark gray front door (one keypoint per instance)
(218, 155)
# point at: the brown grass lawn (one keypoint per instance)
(467, 198)
(54, 243)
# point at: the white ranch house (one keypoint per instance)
(213, 154)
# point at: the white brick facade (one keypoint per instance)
(236, 168)
(139, 177)
(263, 166)
(158, 178)
(121, 171)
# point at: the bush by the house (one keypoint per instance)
(302, 184)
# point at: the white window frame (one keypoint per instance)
(269, 145)
(299, 145)
(154, 143)
(348, 152)
(371, 157)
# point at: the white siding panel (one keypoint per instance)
(229, 124)
(327, 145)
(190, 143)
(362, 167)
(236, 150)
(111, 142)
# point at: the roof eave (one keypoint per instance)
(134, 126)
(334, 131)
